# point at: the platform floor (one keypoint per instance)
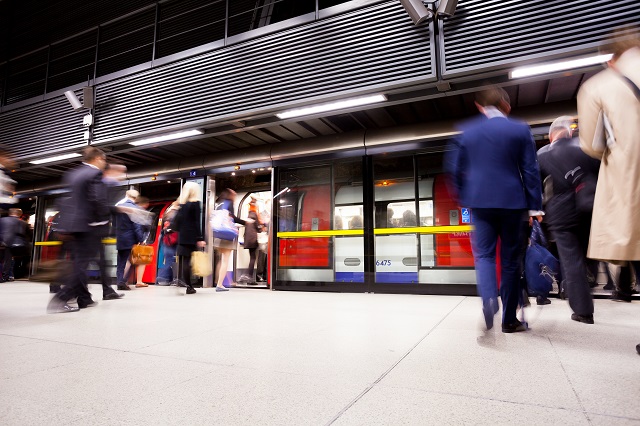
(256, 357)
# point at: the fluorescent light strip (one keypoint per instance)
(559, 66)
(167, 137)
(348, 103)
(56, 158)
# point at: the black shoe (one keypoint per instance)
(514, 327)
(587, 319)
(638, 348)
(124, 287)
(540, 300)
(489, 310)
(617, 296)
(608, 286)
(58, 306)
(113, 296)
(181, 283)
(54, 288)
(87, 304)
(191, 290)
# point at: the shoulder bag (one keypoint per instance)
(141, 254)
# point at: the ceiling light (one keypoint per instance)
(167, 137)
(559, 66)
(348, 103)
(56, 158)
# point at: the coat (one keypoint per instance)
(189, 226)
(615, 226)
(86, 204)
(128, 232)
(493, 164)
(251, 232)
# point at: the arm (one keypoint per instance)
(589, 111)
(454, 164)
(530, 172)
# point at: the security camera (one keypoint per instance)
(417, 11)
(87, 98)
(447, 8)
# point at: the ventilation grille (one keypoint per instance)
(501, 32)
(45, 128)
(360, 50)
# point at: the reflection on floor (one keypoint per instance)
(243, 357)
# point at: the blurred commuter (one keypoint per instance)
(84, 210)
(142, 203)
(251, 231)
(573, 176)
(128, 233)
(609, 111)
(7, 185)
(494, 172)
(226, 247)
(190, 236)
(13, 236)
(169, 242)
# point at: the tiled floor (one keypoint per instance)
(255, 357)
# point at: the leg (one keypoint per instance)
(252, 261)
(185, 266)
(123, 259)
(483, 244)
(139, 274)
(105, 278)
(223, 266)
(511, 226)
(574, 271)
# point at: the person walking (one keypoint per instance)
(141, 203)
(226, 247)
(609, 113)
(493, 170)
(188, 222)
(169, 242)
(573, 175)
(128, 233)
(13, 235)
(84, 210)
(251, 231)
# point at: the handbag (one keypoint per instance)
(541, 268)
(141, 254)
(200, 264)
(222, 224)
(170, 238)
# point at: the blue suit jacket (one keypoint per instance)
(493, 164)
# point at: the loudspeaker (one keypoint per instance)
(87, 97)
(447, 8)
(73, 100)
(417, 11)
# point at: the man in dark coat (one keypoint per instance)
(13, 231)
(128, 233)
(571, 171)
(84, 210)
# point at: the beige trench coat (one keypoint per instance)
(615, 229)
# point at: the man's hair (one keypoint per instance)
(91, 153)
(559, 125)
(132, 193)
(621, 40)
(492, 96)
(142, 200)
(15, 212)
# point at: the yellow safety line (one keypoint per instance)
(59, 243)
(379, 231)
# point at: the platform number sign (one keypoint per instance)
(466, 215)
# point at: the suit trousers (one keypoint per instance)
(84, 247)
(121, 262)
(572, 248)
(507, 225)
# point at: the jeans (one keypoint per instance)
(489, 225)
(165, 273)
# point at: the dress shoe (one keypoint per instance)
(222, 289)
(58, 306)
(587, 319)
(608, 286)
(540, 300)
(124, 287)
(514, 327)
(191, 290)
(618, 296)
(638, 348)
(113, 296)
(244, 278)
(87, 304)
(138, 285)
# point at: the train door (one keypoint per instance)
(244, 274)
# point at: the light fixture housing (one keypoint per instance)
(529, 71)
(331, 106)
(167, 137)
(447, 8)
(417, 11)
(56, 158)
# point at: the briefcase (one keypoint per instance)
(141, 254)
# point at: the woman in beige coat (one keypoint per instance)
(609, 113)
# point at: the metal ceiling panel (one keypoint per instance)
(357, 52)
(498, 33)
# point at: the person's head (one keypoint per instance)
(190, 192)
(5, 158)
(619, 41)
(560, 128)
(227, 194)
(493, 96)
(115, 172)
(132, 194)
(142, 201)
(15, 212)
(94, 156)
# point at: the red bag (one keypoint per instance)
(170, 239)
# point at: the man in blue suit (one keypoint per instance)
(495, 173)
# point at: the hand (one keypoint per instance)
(201, 244)
(249, 220)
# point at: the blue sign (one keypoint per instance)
(192, 173)
(466, 215)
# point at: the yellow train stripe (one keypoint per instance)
(59, 243)
(379, 231)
